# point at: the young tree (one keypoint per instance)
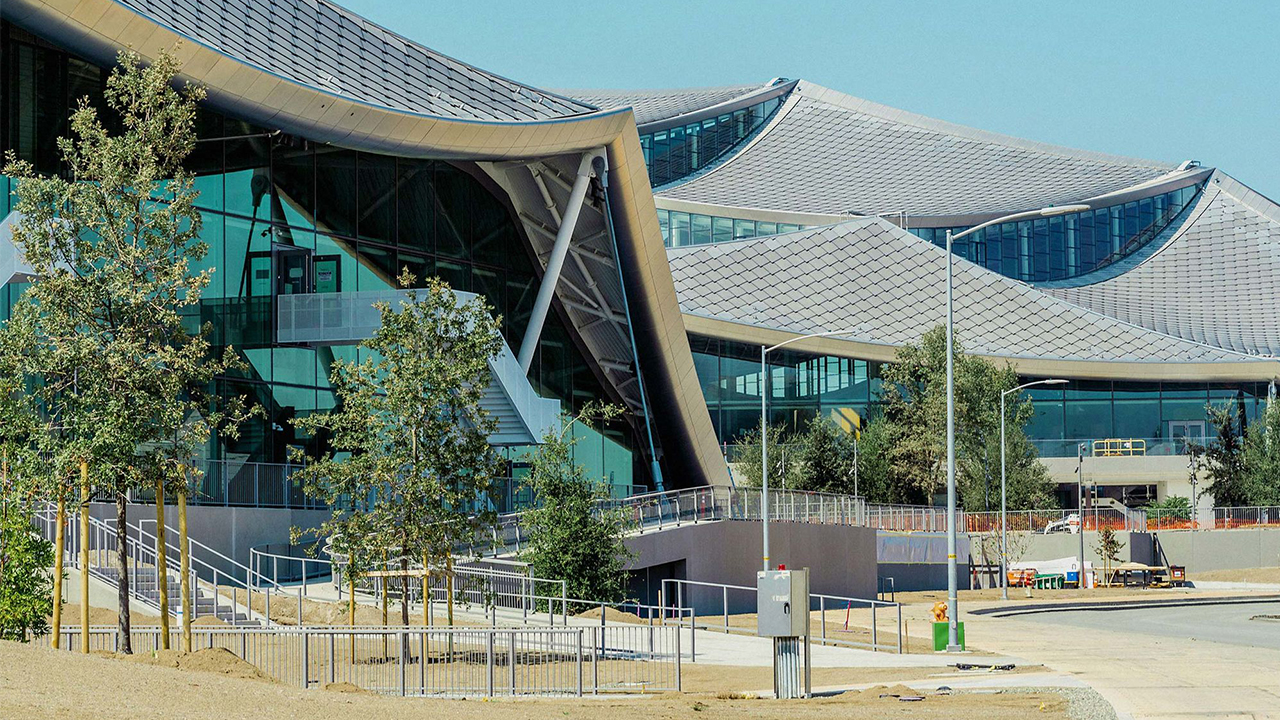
(111, 250)
(1224, 459)
(826, 457)
(1262, 458)
(1108, 547)
(782, 458)
(26, 581)
(409, 453)
(570, 536)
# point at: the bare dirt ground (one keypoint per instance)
(38, 682)
(1268, 575)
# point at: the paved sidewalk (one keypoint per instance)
(1144, 668)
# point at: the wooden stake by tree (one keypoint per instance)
(414, 438)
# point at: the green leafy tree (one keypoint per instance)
(571, 535)
(913, 436)
(1108, 548)
(410, 455)
(1262, 458)
(26, 580)
(1223, 459)
(783, 457)
(111, 244)
(826, 458)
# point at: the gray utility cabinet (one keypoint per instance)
(782, 603)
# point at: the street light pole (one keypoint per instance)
(953, 639)
(1004, 505)
(764, 433)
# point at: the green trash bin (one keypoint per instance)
(940, 633)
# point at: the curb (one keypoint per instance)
(1124, 605)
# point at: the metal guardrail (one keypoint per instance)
(1095, 518)
(910, 518)
(442, 662)
(683, 597)
(1230, 518)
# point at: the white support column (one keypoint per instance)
(559, 251)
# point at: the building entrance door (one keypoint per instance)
(1184, 433)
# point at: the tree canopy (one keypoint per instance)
(409, 456)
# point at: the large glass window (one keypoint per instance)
(677, 152)
(1068, 245)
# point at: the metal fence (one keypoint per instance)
(910, 518)
(1229, 518)
(1039, 520)
(444, 662)
(731, 604)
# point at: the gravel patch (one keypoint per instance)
(1085, 703)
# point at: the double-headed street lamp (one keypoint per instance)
(764, 429)
(1004, 544)
(953, 639)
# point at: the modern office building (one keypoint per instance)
(640, 246)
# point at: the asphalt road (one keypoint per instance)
(1228, 624)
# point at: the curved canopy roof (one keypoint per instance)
(1210, 278)
(830, 153)
(889, 287)
(319, 43)
(653, 106)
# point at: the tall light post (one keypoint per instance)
(953, 635)
(1004, 542)
(764, 430)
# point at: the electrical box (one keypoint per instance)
(782, 603)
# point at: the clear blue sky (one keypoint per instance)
(1166, 80)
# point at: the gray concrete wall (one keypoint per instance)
(1137, 547)
(231, 531)
(841, 559)
(1218, 549)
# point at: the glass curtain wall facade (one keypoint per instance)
(679, 151)
(681, 228)
(1064, 246)
(803, 386)
(283, 215)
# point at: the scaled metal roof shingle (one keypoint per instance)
(831, 153)
(322, 45)
(654, 105)
(1212, 278)
(889, 286)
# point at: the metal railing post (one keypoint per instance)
(899, 628)
(822, 608)
(488, 662)
(873, 627)
(579, 662)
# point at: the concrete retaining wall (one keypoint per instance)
(1218, 549)
(231, 531)
(841, 559)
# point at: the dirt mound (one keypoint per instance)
(212, 660)
(889, 691)
(612, 615)
(343, 687)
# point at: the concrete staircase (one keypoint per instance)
(143, 586)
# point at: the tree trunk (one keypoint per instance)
(84, 557)
(162, 566)
(448, 584)
(426, 592)
(125, 646)
(61, 539)
(404, 588)
(184, 567)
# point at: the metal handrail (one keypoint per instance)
(822, 609)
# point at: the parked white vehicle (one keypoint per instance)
(1069, 524)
